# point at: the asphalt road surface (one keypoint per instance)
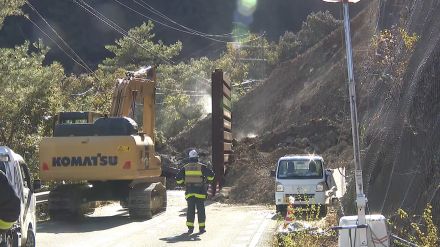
(226, 225)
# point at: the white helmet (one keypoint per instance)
(193, 154)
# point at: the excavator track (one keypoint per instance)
(67, 201)
(147, 199)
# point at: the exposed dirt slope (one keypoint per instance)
(402, 140)
(303, 107)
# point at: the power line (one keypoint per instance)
(166, 25)
(118, 29)
(153, 10)
(83, 64)
(124, 33)
(177, 90)
(189, 95)
(104, 19)
(253, 59)
(50, 38)
(157, 12)
(199, 51)
(191, 32)
(67, 54)
(59, 36)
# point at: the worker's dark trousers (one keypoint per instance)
(194, 202)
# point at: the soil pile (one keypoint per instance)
(249, 175)
(198, 136)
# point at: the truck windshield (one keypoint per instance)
(300, 169)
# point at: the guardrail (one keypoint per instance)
(42, 197)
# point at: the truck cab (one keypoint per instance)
(18, 174)
(303, 178)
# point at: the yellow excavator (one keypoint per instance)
(107, 157)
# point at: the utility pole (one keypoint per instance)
(361, 199)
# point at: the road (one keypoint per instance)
(226, 225)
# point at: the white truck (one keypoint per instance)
(304, 178)
(17, 172)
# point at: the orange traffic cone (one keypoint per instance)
(290, 217)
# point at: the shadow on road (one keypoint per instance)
(86, 224)
(184, 237)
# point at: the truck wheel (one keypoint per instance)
(30, 242)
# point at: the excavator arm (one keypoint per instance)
(134, 97)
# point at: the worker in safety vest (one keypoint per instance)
(195, 175)
(9, 203)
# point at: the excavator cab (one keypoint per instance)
(76, 117)
(74, 123)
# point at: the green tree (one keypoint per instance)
(288, 46)
(178, 101)
(30, 95)
(10, 7)
(183, 93)
(314, 29)
(89, 92)
(251, 58)
(138, 49)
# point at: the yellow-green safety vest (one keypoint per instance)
(193, 173)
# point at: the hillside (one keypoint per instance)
(402, 138)
(303, 107)
(399, 140)
(305, 110)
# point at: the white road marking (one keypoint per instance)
(251, 227)
(239, 245)
(259, 233)
(243, 238)
(248, 232)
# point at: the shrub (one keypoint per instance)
(419, 230)
(315, 28)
